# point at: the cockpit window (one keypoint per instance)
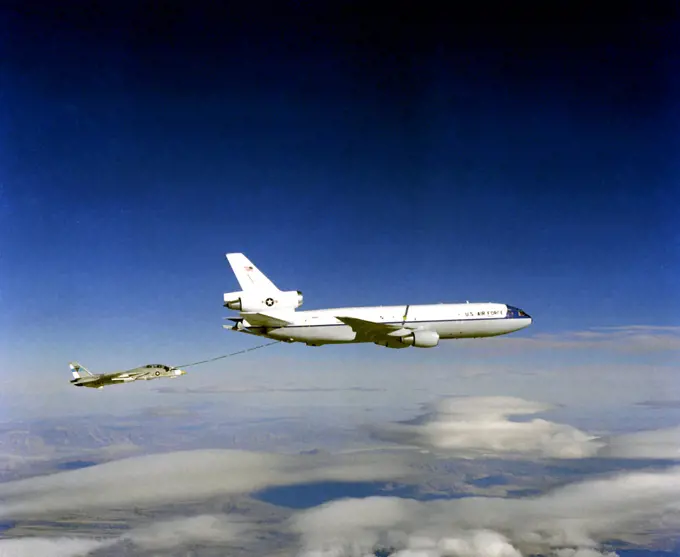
(515, 312)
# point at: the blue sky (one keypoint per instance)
(545, 180)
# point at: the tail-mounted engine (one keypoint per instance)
(261, 301)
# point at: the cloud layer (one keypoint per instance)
(220, 530)
(183, 476)
(632, 338)
(481, 427)
(655, 444)
(204, 529)
(54, 547)
(570, 521)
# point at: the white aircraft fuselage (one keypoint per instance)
(266, 311)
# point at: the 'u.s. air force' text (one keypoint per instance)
(489, 313)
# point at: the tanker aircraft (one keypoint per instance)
(266, 311)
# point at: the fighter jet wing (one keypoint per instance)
(373, 330)
(124, 376)
(261, 319)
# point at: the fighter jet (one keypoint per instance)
(83, 378)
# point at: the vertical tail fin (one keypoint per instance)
(78, 371)
(249, 276)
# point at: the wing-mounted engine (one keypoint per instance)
(260, 301)
(421, 339)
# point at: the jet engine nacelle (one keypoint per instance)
(261, 301)
(421, 339)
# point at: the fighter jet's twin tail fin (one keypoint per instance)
(79, 371)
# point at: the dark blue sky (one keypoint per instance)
(363, 160)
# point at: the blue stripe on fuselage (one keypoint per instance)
(292, 326)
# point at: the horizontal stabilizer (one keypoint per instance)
(261, 319)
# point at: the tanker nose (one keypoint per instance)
(516, 313)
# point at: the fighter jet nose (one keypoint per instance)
(180, 372)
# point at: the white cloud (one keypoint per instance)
(202, 529)
(54, 547)
(658, 444)
(480, 426)
(482, 543)
(10, 461)
(213, 529)
(666, 328)
(631, 338)
(183, 476)
(221, 389)
(570, 521)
